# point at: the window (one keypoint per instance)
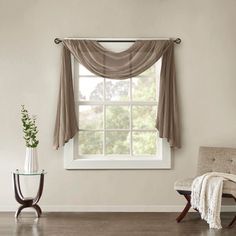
(116, 121)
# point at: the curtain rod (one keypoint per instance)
(177, 40)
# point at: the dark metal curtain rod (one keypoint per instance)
(57, 41)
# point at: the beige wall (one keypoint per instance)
(29, 70)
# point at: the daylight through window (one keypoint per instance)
(117, 117)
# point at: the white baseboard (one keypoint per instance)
(112, 208)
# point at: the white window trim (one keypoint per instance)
(114, 162)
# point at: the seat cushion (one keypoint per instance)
(229, 187)
(183, 184)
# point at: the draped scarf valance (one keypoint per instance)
(118, 65)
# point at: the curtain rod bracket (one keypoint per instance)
(57, 40)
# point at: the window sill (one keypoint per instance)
(115, 162)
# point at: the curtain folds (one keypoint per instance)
(118, 65)
(66, 125)
(167, 121)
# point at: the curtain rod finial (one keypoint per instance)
(57, 40)
(178, 40)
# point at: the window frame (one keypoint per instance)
(112, 161)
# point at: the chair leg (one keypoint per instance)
(232, 222)
(234, 219)
(188, 206)
(186, 209)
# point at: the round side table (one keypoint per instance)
(27, 201)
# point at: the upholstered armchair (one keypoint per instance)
(210, 159)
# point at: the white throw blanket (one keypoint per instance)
(206, 196)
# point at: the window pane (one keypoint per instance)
(117, 90)
(90, 142)
(90, 89)
(144, 88)
(117, 142)
(144, 143)
(90, 117)
(117, 117)
(144, 117)
(84, 71)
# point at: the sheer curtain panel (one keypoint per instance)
(118, 65)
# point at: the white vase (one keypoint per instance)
(31, 160)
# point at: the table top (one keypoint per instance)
(22, 172)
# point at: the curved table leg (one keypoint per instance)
(38, 210)
(18, 194)
(40, 190)
(19, 210)
(27, 202)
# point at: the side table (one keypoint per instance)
(27, 201)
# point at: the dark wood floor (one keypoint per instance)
(104, 224)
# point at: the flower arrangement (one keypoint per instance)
(29, 128)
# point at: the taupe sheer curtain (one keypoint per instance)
(118, 65)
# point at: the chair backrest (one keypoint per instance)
(216, 159)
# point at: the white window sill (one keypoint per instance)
(116, 162)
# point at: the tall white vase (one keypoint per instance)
(31, 160)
